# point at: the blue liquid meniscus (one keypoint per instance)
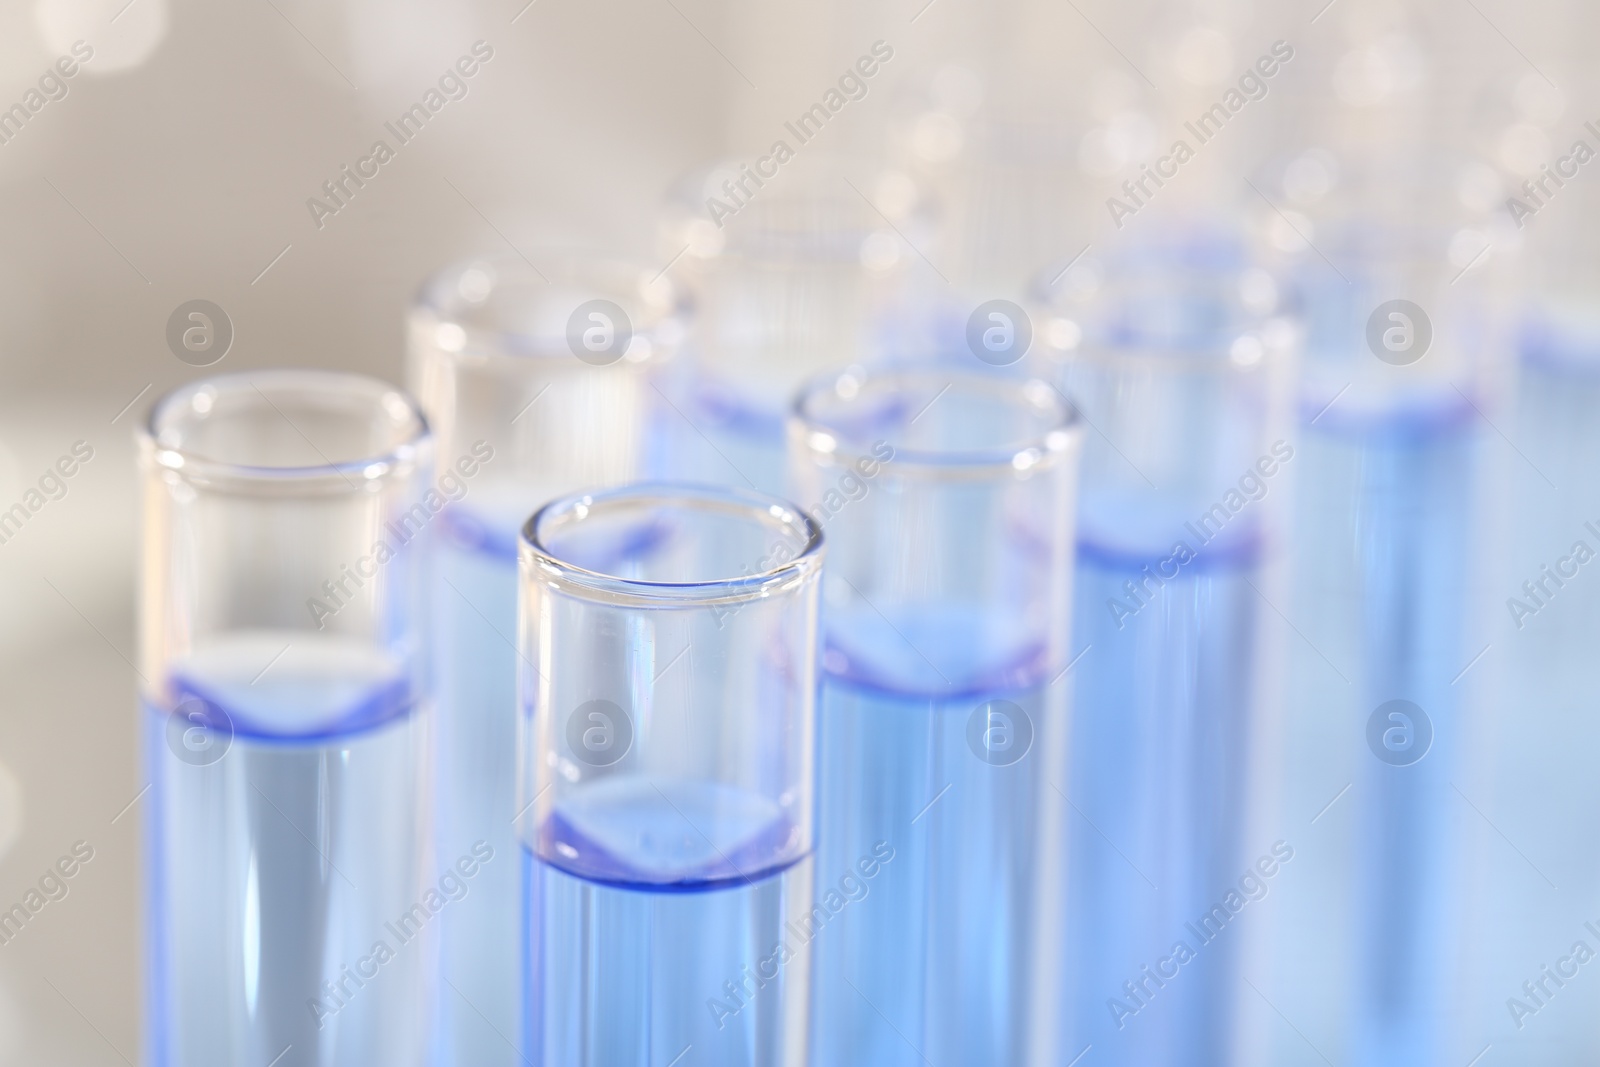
(282, 828)
(666, 922)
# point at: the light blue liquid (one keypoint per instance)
(936, 964)
(1385, 530)
(666, 923)
(275, 868)
(475, 604)
(1539, 681)
(1414, 556)
(1161, 751)
(723, 438)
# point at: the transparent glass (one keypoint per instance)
(948, 504)
(1385, 549)
(520, 418)
(784, 288)
(1531, 698)
(1170, 356)
(1534, 686)
(289, 891)
(1392, 326)
(667, 712)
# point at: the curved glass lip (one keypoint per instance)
(1031, 453)
(594, 270)
(347, 475)
(803, 564)
(818, 185)
(1220, 359)
(1274, 335)
(1207, 261)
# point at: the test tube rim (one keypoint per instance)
(805, 565)
(1210, 361)
(820, 182)
(1035, 453)
(412, 444)
(499, 348)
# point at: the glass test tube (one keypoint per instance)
(1540, 674)
(286, 515)
(524, 410)
(1391, 401)
(947, 498)
(667, 713)
(1180, 483)
(780, 290)
(1534, 899)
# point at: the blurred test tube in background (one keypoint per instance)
(285, 722)
(537, 384)
(782, 289)
(1393, 406)
(1172, 354)
(1381, 230)
(1537, 886)
(1535, 870)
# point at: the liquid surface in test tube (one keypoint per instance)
(666, 900)
(286, 856)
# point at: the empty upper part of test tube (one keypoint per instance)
(551, 367)
(617, 584)
(265, 492)
(1177, 354)
(930, 484)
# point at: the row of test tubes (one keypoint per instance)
(936, 621)
(529, 721)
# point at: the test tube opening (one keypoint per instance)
(936, 423)
(694, 544)
(285, 426)
(505, 307)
